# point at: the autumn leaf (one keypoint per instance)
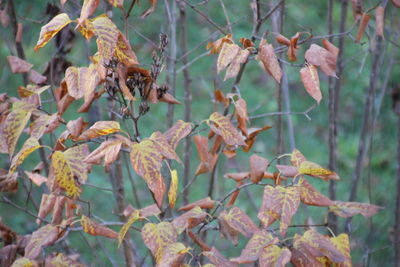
(109, 150)
(58, 209)
(239, 221)
(93, 228)
(124, 53)
(150, 10)
(36, 178)
(349, 209)
(215, 47)
(313, 169)
(36, 78)
(310, 196)
(323, 58)
(255, 246)
(287, 171)
(45, 236)
(163, 147)
(363, 25)
(189, 219)
(30, 145)
(227, 55)
(158, 236)
(177, 132)
(81, 82)
(274, 256)
(46, 206)
(44, 124)
(173, 189)
(132, 218)
(241, 111)
(257, 167)
(173, 255)
(218, 259)
(31, 90)
(222, 126)
(207, 159)
(24, 262)
(342, 243)
(107, 35)
(279, 202)
(296, 158)
(49, 30)
(205, 203)
(88, 8)
(100, 128)
(252, 136)
(380, 20)
(117, 3)
(18, 65)
(61, 260)
(270, 62)
(234, 67)
(310, 80)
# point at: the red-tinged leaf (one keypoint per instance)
(93, 228)
(309, 77)
(314, 170)
(380, 20)
(36, 78)
(28, 147)
(8, 183)
(46, 206)
(279, 202)
(109, 150)
(189, 219)
(227, 231)
(58, 209)
(88, 8)
(157, 237)
(257, 167)
(287, 171)
(274, 256)
(205, 203)
(124, 53)
(396, 3)
(222, 126)
(177, 132)
(282, 40)
(267, 56)
(173, 188)
(241, 111)
(201, 143)
(357, 7)
(163, 147)
(292, 51)
(255, 246)
(297, 158)
(132, 218)
(49, 30)
(252, 135)
(215, 47)
(239, 221)
(173, 255)
(349, 209)
(36, 178)
(363, 25)
(317, 245)
(227, 55)
(217, 259)
(323, 58)
(302, 258)
(150, 10)
(44, 124)
(198, 241)
(342, 243)
(14, 124)
(117, 3)
(43, 237)
(69, 169)
(61, 260)
(100, 128)
(237, 176)
(107, 36)
(168, 98)
(310, 196)
(234, 68)
(18, 65)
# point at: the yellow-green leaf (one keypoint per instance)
(49, 30)
(107, 36)
(173, 188)
(315, 170)
(93, 228)
(133, 218)
(222, 126)
(349, 209)
(100, 128)
(274, 256)
(29, 146)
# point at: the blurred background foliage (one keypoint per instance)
(370, 238)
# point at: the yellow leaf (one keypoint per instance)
(222, 126)
(313, 169)
(29, 146)
(49, 30)
(94, 228)
(124, 53)
(227, 55)
(24, 262)
(342, 243)
(107, 35)
(173, 188)
(133, 218)
(100, 128)
(274, 256)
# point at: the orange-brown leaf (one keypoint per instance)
(100, 128)
(380, 20)
(349, 209)
(44, 236)
(310, 196)
(189, 219)
(109, 150)
(239, 221)
(309, 77)
(257, 167)
(271, 65)
(323, 58)
(218, 259)
(222, 126)
(177, 132)
(93, 228)
(18, 65)
(205, 203)
(227, 55)
(363, 25)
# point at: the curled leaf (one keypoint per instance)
(173, 188)
(349, 209)
(93, 228)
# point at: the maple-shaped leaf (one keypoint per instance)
(349, 209)
(363, 25)
(234, 67)
(227, 55)
(177, 132)
(314, 244)
(44, 124)
(132, 218)
(173, 188)
(323, 58)
(45, 236)
(315, 170)
(274, 256)
(222, 126)
(18, 65)
(310, 80)
(100, 128)
(157, 237)
(30, 145)
(36, 178)
(189, 219)
(91, 227)
(81, 82)
(88, 8)
(205, 203)
(255, 246)
(49, 30)
(279, 202)
(69, 168)
(109, 150)
(380, 21)
(124, 53)
(14, 124)
(173, 255)
(269, 60)
(218, 259)
(239, 221)
(342, 243)
(310, 196)
(296, 158)
(257, 167)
